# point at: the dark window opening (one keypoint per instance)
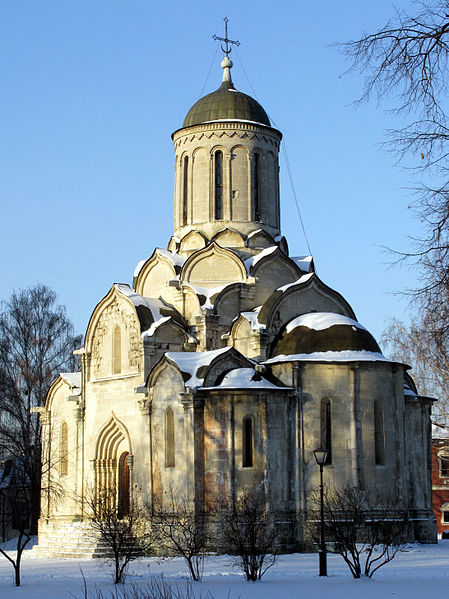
(444, 467)
(218, 185)
(326, 428)
(185, 190)
(123, 488)
(256, 186)
(446, 516)
(379, 435)
(247, 442)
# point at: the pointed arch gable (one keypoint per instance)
(259, 239)
(164, 364)
(57, 385)
(111, 435)
(192, 241)
(213, 266)
(282, 263)
(308, 293)
(223, 363)
(120, 306)
(155, 272)
(229, 238)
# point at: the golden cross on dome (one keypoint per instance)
(227, 49)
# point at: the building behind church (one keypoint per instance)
(228, 361)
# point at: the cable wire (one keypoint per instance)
(208, 74)
(286, 160)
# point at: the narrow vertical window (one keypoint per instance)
(218, 185)
(169, 438)
(185, 189)
(326, 428)
(64, 450)
(123, 486)
(444, 466)
(379, 435)
(247, 442)
(256, 186)
(116, 350)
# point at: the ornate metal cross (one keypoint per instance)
(225, 39)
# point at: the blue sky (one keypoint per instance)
(91, 92)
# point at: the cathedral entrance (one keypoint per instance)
(123, 486)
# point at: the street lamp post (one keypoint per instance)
(321, 458)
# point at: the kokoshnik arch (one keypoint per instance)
(228, 361)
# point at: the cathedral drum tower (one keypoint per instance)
(228, 362)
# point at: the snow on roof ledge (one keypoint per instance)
(319, 321)
(304, 262)
(299, 281)
(73, 379)
(245, 378)
(190, 363)
(253, 318)
(250, 262)
(331, 356)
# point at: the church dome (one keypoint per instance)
(226, 104)
(323, 332)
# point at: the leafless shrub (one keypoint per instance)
(366, 529)
(248, 533)
(126, 538)
(158, 588)
(180, 530)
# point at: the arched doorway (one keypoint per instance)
(123, 486)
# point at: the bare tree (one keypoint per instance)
(248, 532)
(181, 530)
(366, 529)
(15, 490)
(407, 60)
(423, 344)
(126, 537)
(36, 342)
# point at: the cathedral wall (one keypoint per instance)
(171, 453)
(362, 454)
(60, 458)
(418, 453)
(228, 468)
(113, 420)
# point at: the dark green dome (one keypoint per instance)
(226, 104)
(323, 332)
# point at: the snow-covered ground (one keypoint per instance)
(418, 572)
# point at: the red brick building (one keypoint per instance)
(440, 483)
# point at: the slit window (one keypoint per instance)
(247, 442)
(185, 189)
(326, 428)
(169, 438)
(218, 185)
(379, 435)
(256, 186)
(64, 450)
(116, 350)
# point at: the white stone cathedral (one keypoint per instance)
(228, 362)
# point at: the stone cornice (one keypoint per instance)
(231, 129)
